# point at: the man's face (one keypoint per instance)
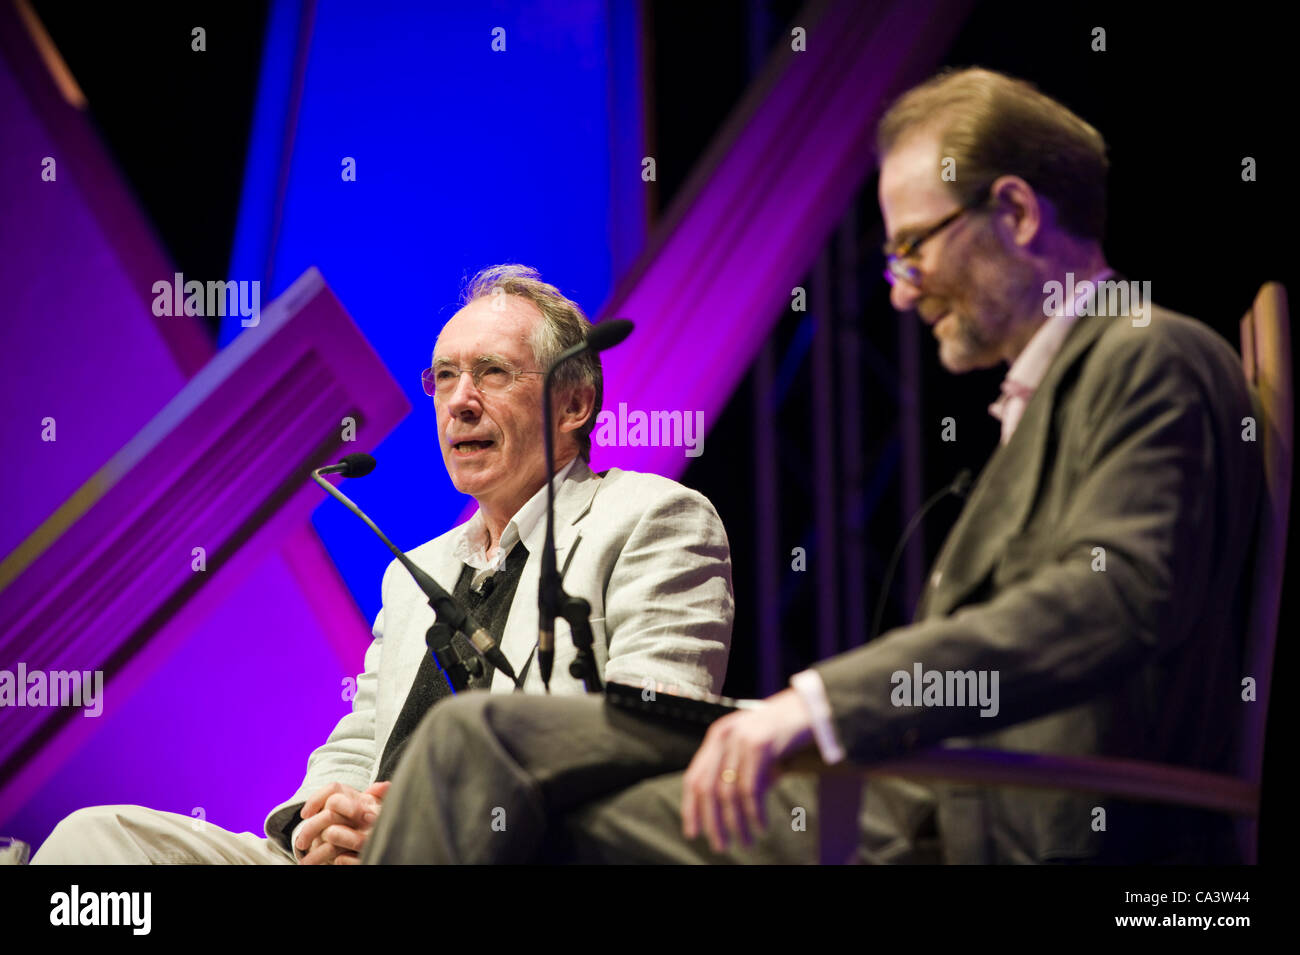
(973, 291)
(492, 443)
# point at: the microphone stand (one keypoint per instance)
(461, 673)
(552, 601)
(583, 668)
(450, 617)
(959, 487)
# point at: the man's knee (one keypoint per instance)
(80, 832)
(455, 719)
(91, 820)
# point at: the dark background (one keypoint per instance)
(1180, 100)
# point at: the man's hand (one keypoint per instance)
(339, 820)
(725, 783)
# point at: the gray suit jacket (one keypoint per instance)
(651, 557)
(1133, 443)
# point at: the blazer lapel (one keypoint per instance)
(572, 503)
(1000, 502)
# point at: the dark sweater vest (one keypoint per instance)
(491, 608)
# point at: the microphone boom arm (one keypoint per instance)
(444, 605)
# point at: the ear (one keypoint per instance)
(574, 407)
(1019, 211)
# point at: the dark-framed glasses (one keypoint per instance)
(897, 265)
(491, 376)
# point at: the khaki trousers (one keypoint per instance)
(134, 835)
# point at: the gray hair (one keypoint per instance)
(563, 325)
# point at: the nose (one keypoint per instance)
(903, 295)
(465, 399)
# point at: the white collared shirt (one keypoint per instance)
(471, 546)
(1027, 371)
(1023, 377)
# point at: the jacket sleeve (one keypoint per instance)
(1057, 631)
(348, 756)
(668, 601)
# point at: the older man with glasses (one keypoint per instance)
(649, 555)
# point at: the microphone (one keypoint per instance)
(352, 466)
(959, 487)
(550, 592)
(444, 604)
(601, 338)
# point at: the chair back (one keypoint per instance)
(1266, 359)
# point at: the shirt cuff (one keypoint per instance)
(812, 691)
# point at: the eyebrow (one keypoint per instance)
(499, 359)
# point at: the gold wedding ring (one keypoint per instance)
(728, 776)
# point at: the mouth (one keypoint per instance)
(466, 449)
(930, 311)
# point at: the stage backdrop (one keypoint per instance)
(397, 153)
